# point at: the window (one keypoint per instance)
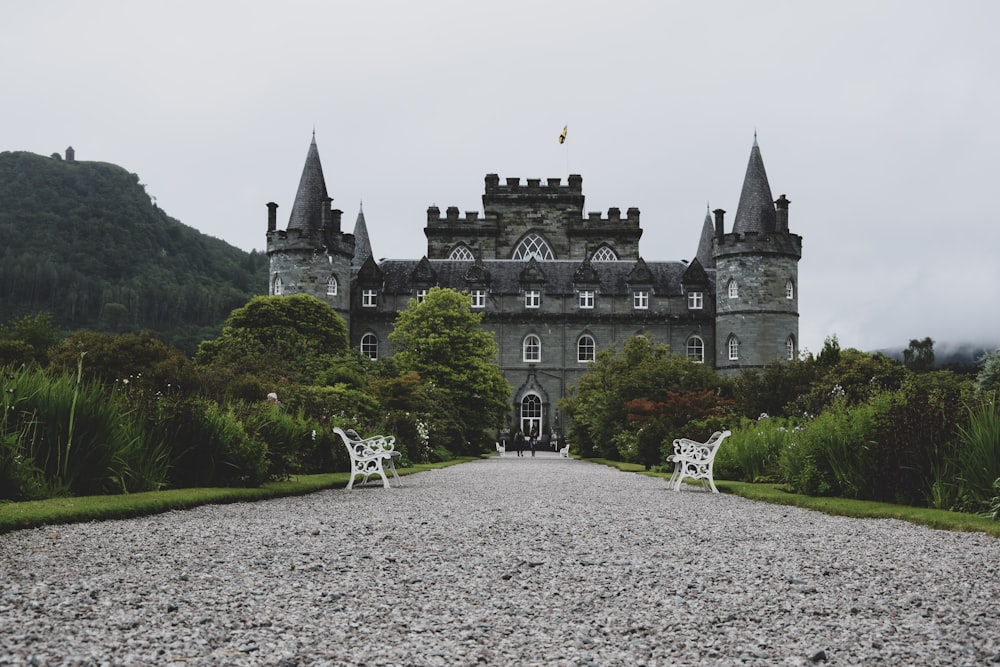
(532, 347)
(479, 298)
(604, 254)
(331, 286)
(734, 289)
(790, 347)
(587, 298)
(532, 298)
(696, 349)
(640, 299)
(531, 414)
(278, 287)
(461, 252)
(533, 245)
(789, 290)
(585, 348)
(696, 300)
(734, 348)
(369, 346)
(421, 295)
(369, 298)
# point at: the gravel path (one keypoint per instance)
(506, 561)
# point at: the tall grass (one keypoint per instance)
(753, 452)
(977, 461)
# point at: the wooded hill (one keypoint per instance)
(84, 242)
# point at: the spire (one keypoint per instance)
(755, 212)
(307, 211)
(362, 245)
(704, 255)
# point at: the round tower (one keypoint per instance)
(757, 314)
(312, 255)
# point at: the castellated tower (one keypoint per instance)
(757, 318)
(312, 256)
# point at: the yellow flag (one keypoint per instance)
(562, 135)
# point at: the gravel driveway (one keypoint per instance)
(505, 561)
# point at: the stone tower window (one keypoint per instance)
(790, 347)
(585, 348)
(734, 348)
(369, 346)
(789, 290)
(696, 349)
(331, 286)
(604, 254)
(532, 348)
(277, 287)
(533, 245)
(734, 289)
(462, 253)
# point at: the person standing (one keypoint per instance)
(533, 440)
(519, 442)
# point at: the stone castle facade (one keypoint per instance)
(557, 284)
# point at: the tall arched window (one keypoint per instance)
(277, 287)
(532, 348)
(696, 349)
(734, 348)
(734, 289)
(461, 252)
(531, 414)
(790, 347)
(331, 286)
(585, 348)
(533, 245)
(604, 254)
(789, 290)
(369, 346)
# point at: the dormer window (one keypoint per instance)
(533, 245)
(696, 300)
(640, 299)
(532, 298)
(369, 298)
(421, 295)
(478, 298)
(586, 298)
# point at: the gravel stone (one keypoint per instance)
(505, 561)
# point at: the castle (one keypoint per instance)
(556, 285)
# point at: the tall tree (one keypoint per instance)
(919, 356)
(441, 339)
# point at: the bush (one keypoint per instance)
(753, 452)
(976, 465)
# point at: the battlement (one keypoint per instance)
(781, 243)
(534, 186)
(452, 216)
(614, 217)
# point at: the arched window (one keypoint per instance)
(789, 290)
(277, 287)
(533, 245)
(531, 414)
(790, 347)
(734, 289)
(369, 346)
(585, 348)
(734, 348)
(462, 253)
(604, 254)
(696, 349)
(532, 348)
(331, 286)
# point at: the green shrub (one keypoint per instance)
(977, 460)
(753, 452)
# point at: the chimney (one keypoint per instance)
(720, 229)
(272, 216)
(781, 214)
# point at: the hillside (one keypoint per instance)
(83, 241)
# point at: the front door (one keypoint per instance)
(531, 414)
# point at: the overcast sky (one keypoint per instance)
(880, 121)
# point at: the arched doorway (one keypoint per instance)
(531, 414)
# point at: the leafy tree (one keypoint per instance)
(598, 404)
(441, 339)
(919, 356)
(271, 340)
(855, 377)
(27, 340)
(774, 389)
(988, 378)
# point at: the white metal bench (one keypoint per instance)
(564, 452)
(501, 448)
(370, 456)
(695, 460)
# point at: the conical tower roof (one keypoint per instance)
(307, 211)
(362, 245)
(704, 255)
(755, 212)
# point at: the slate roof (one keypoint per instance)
(362, 244)
(311, 197)
(665, 277)
(755, 212)
(704, 254)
